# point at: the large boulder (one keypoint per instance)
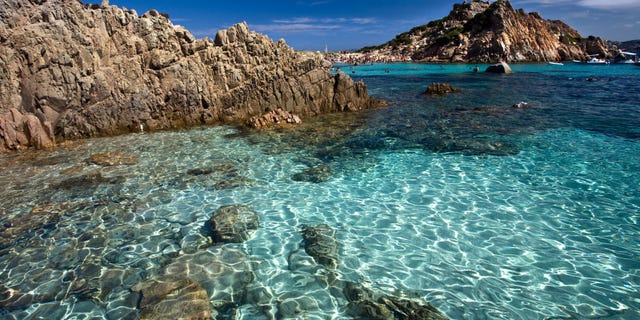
(437, 88)
(501, 67)
(235, 223)
(174, 299)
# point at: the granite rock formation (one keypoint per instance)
(480, 31)
(441, 88)
(70, 70)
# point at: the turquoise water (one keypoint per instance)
(484, 210)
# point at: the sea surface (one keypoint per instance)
(482, 209)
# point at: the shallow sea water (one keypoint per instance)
(484, 210)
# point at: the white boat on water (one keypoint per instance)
(593, 59)
(556, 63)
(628, 57)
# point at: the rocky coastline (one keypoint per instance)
(487, 32)
(70, 70)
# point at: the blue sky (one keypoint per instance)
(340, 24)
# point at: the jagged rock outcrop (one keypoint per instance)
(70, 70)
(480, 31)
(500, 67)
(438, 88)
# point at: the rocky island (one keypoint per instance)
(70, 70)
(483, 32)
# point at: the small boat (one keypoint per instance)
(630, 57)
(556, 63)
(595, 60)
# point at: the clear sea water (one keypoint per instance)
(484, 210)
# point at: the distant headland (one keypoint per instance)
(484, 32)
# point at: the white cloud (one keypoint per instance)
(293, 27)
(610, 4)
(308, 24)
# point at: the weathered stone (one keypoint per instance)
(437, 88)
(321, 244)
(112, 159)
(200, 171)
(103, 70)
(224, 272)
(174, 299)
(371, 304)
(234, 223)
(501, 67)
(276, 117)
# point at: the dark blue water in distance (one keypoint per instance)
(485, 210)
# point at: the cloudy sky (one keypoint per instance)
(340, 25)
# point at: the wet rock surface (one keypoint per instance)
(72, 71)
(320, 243)
(436, 88)
(179, 299)
(371, 304)
(501, 67)
(234, 223)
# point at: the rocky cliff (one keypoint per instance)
(480, 31)
(70, 70)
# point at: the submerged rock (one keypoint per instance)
(370, 304)
(321, 244)
(441, 89)
(112, 159)
(224, 272)
(200, 171)
(316, 174)
(234, 182)
(235, 223)
(174, 299)
(501, 67)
